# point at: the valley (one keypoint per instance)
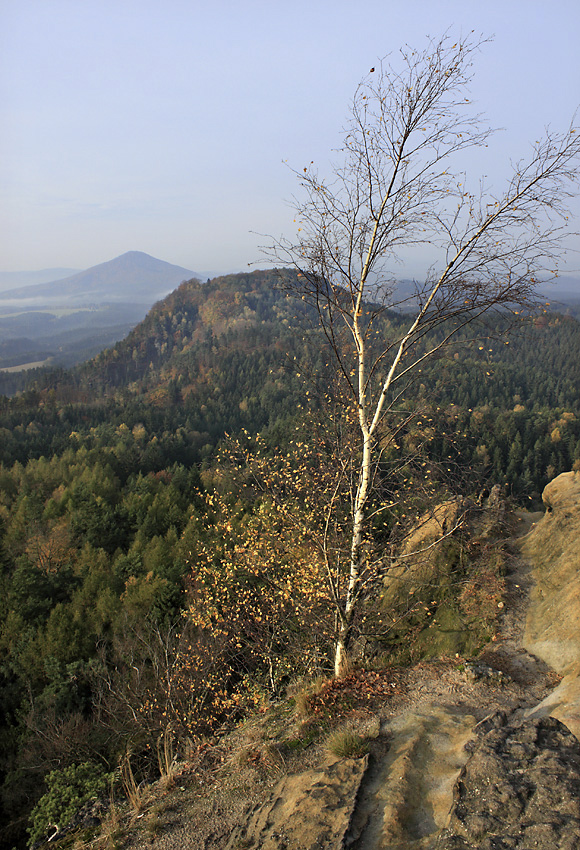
(71, 319)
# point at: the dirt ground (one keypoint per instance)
(425, 729)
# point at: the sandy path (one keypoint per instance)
(407, 795)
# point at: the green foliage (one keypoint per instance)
(68, 791)
(108, 535)
(446, 603)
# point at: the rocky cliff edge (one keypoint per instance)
(552, 630)
(462, 754)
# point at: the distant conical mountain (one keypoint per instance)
(133, 277)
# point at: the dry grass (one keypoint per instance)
(167, 760)
(137, 793)
(272, 760)
(265, 757)
(302, 691)
(344, 743)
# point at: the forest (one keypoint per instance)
(162, 505)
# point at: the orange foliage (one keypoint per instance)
(259, 583)
(356, 692)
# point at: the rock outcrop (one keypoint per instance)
(306, 810)
(447, 777)
(468, 754)
(553, 624)
(519, 789)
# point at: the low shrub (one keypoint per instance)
(68, 791)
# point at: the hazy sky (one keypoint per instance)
(162, 125)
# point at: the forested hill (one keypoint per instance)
(108, 481)
(236, 352)
(243, 312)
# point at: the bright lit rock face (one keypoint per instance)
(552, 627)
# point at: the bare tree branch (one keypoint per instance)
(396, 187)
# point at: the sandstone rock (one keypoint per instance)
(520, 789)
(306, 811)
(553, 623)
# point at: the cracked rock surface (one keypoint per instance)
(520, 789)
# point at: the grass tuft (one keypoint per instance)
(346, 744)
(137, 794)
(302, 692)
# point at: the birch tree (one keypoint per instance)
(395, 188)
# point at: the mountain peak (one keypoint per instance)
(133, 277)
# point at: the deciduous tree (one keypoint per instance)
(396, 187)
(258, 578)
